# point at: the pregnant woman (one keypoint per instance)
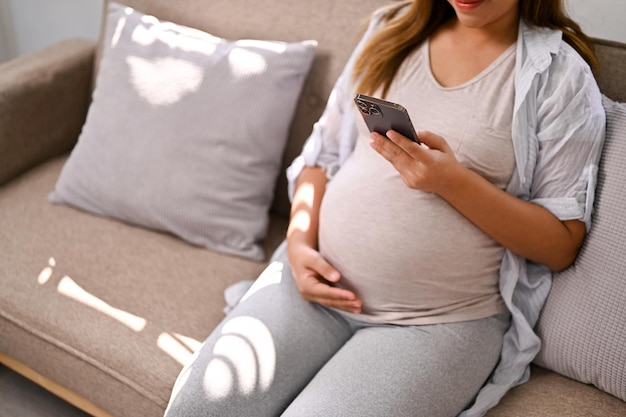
(412, 274)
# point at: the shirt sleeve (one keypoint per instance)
(333, 135)
(570, 135)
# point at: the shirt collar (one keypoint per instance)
(540, 44)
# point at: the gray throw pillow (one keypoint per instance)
(186, 131)
(583, 324)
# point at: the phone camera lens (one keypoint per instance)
(363, 107)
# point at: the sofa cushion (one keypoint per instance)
(583, 324)
(186, 131)
(550, 394)
(107, 310)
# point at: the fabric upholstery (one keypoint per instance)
(550, 394)
(103, 307)
(43, 103)
(191, 141)
(610, 74)
(583, 324)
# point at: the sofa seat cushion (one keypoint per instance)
(108, 310)
(550, 394)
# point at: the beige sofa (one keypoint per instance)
(104, 314)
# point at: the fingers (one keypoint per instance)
(396, 148)
(323, 268)
(427, 166)
(388, 148)
(405, 155)
(314, 277)
(430, 139)
(433, 141)
(320, 292)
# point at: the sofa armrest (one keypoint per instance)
(44, 97)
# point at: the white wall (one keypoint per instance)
(7, 40)
(27, 25)
(600, 18)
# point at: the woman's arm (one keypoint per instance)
(311, 271)
(303, 224)
(524, 228)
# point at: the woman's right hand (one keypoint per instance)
(314, 277)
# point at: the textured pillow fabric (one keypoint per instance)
(583, 324)
(186, 131)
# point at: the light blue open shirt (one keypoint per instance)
(557, 132)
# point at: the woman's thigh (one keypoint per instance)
(428, 371)
(262, 354)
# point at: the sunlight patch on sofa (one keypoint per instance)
(244, 359)
(46, 273)
(69, 288)
(180, 348)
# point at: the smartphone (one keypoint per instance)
(381, 116)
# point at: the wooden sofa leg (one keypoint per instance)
(56, 389)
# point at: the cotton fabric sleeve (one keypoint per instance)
(570, 134)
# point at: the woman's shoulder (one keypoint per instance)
(565, 82)
(548, 49)
(555, 61)
(568, 64)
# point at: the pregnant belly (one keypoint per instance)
(400, 249)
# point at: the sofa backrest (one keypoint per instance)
(611, 74)
(334, 24)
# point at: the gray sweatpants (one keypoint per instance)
(278, 355)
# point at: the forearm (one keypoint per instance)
(526, 229)
(303, 224)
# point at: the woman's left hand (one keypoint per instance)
(431, 168)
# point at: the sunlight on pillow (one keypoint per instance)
(186, 131)
(164, 81)
(244, 62)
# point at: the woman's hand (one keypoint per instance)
(313, 274)
(314, 277)
(431, 168)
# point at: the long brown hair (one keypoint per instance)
(382, 56)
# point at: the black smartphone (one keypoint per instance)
(382, 115)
